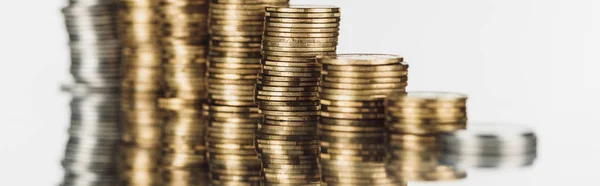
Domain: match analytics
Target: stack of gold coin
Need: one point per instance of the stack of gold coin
(287, 91)
(236, 28)
(141, 55)
(141, 87)
(414, 120)
(91, 152)
(141, 147)
(184, 149)
(352, 127)
(95, 49)
(184, 41)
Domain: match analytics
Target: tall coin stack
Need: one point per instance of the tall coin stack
(91, 153)
(352, 127)
(142, 73)
(234, 60)
(184, 149)
(414, 120)
(184, 42)
(95, 49)
(287, 91)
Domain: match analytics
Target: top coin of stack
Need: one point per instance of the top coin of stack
(95, 49)
(287, 91)
(351, 130)
(489, 145)
(138, 31)
(414, 119)
(234, 60)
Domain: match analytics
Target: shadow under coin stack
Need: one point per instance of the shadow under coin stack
(287, 91)
(184, 150)
(236, 28)
(91, 153)
(352, 127)
(140, 89)
(414, 120)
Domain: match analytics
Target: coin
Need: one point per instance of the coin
(303, 15)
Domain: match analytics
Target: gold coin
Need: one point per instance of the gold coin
(271, 39)
(365, 74)
(289, 74)
(400, 66)
(306, 60)
(353, 103)
(353, 109)
(286, 49)
(286, 94)
(236, 38)
(302, 30)
(302, 34)
(298, 45)
(235, 22)
(422, 97)
(349, 122)
(288, 108)
(287, 88)
(234, 54)
(360, 59)
(235, 71)
(296, 54)
(292, 118)
(359, 92)
(233, 65)
(289, 113)
(312, 20)
(289, 64)
(287, 84)
(234, 60)
(365, 80)
(278, 78)
(291, 69)
(264, 136)
(352, 115)
(249, 2)
(303, 15)
(302, 25)
(290, 104)
(304, 9)
(364, 86)
(235, 44)
(278, 98)
(352, 128)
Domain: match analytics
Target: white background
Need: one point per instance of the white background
(532, 62)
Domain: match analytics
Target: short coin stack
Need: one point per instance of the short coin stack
(236, 28)
(141, 87)
(489, 145)
(287, 91)
(91, 153)
(184, 149)
(95, 49)
(414, 119)
(351, 130)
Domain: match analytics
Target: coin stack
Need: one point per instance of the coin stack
(140, 87)
(91, 153)
(95, 49)
(287, 91)
(236, 29)
(184, 151)
(352, 127)
(414, 120)
(489, 145)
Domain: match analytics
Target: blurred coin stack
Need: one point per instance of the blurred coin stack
(287, 91)
(414, 120)
(184, 43)
(236, 28)
(352, 127)
(95, 49)
(184, 149)
(142, 73)
(91, 153)
(489, 145)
